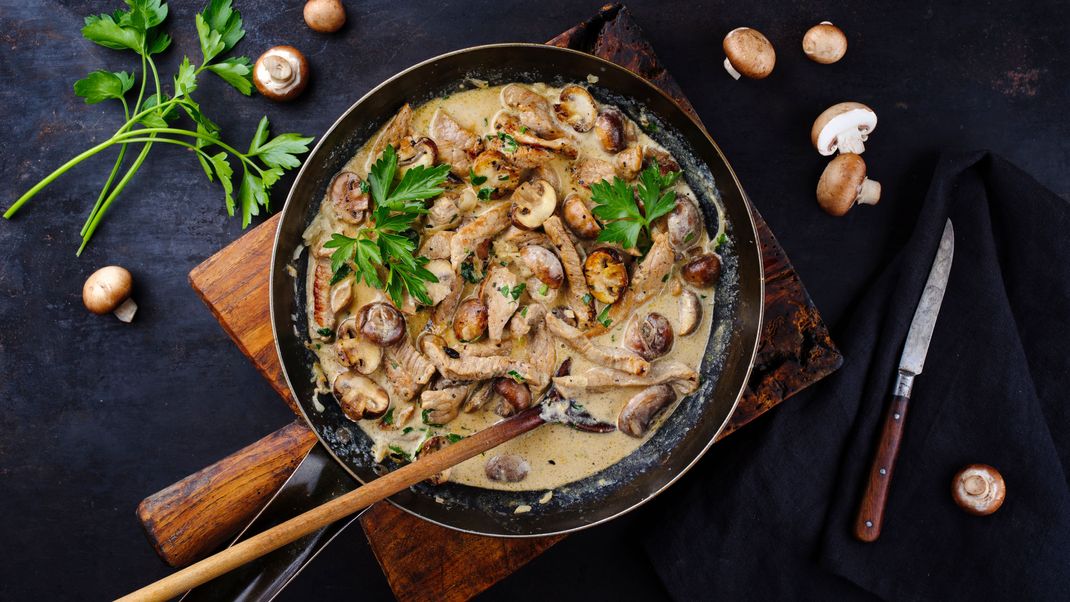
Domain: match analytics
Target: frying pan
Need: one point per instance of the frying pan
(696, 421)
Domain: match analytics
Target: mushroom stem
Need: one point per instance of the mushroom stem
(851, 141)
(125, 312)
(730, 69)
(869, 193)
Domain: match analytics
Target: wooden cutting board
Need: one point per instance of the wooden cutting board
(198, 514)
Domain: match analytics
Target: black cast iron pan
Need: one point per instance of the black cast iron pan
(683, 437)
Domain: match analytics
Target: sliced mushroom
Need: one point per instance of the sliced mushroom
(577, 108)
(421, 152)
(482, 394)
(702, 271)
(544, 265)
(430, 446)
(470, 321)
(843, 127)
(684, 224)
(533, 202)
(501, 175)
(500, 292)
(359, 396)
(381, 323)
(629, 162)
(579, 217)
(341, 295)
(447, 280)
(515, 396)
(348, 197)
(690, 312)
(508, 468)
(641, 410)
(606, 274)
(650, 337)
(354, 350)
(611, 129)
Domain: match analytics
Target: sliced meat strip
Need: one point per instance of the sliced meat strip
(533, 110)
(485, 348)
(649, 278)
(437, 245)
(443, 405)
(521, 237)
(320, 285)
(580, 299)
(541, 348)
(497, 295)
(611, 357)
(456, 145)
(442, 314)
(407, 371)
(391, 134)
(590, 171)
(474, 368)
(472, 234)
(682, 378)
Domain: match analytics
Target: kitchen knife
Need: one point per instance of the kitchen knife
(871, 512)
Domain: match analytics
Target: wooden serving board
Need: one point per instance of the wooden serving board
(196, 515)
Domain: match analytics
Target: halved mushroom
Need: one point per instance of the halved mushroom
(515, 396)
(606, 274)
(544, 265)
(702, 271)
(579, 217)
(341, 295)
(381, 323)
(423, 151)
(359, 396)
(611, 129)
(843, 127)
(508, 468)
(447, 279)
(690, 312)
(684, 224)
(501, 175)
(650, 337)
(348, 197)
(354, 350)
(533, 202)
(641, 410)
(629, 162)
(470, 321)
(432, 445)
(577, 108)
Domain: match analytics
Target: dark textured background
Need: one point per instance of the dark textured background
(97, 414)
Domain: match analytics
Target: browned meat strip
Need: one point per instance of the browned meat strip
(391, 134)
(443, 405)
(677, 374)
(463, 368)
(406, 370)
(610, 357)
(470, 235)
(456, 145)
(320, 283)
(533, 109)
(579, 295)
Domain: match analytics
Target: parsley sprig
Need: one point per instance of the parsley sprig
(150, 119)
(390, 242)
(616, 207)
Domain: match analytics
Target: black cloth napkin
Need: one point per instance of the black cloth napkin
(771, 515)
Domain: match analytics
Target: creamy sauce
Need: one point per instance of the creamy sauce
(556, 454)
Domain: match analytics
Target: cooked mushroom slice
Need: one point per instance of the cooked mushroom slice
(447, 279)
(500, 292)
(824, 43)
(577, 108)
(430, 446)
(501, 175)
(544, 265)
(748, 52)
(422, 152)
(341, 295)
(515, 396)
(640, 411)
(354, 350)
(684, 224)
(443, 214)
(844, 184)
(611, 127)
(690, 312)
(359, 396)
(650, 337)
(381, 323)
(443, 405)
(470, 321)
(702, 271)
(456, 145)
(533, 202)
(508, 468)
(843, 127)
(629, 162)
(579, 217)
(348, 198)
(606, 274)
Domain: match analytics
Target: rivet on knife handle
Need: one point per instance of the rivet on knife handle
(871, 512)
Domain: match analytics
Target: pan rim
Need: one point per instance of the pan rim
(707, 138)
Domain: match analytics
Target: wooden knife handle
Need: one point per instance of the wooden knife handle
(192, 518)
(871, 512)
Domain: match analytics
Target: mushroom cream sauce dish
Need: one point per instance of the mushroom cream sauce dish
(637, 330)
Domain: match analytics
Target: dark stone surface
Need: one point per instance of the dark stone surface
(97, 414)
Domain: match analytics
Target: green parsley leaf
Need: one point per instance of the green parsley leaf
(524, 311)
(326, 332)
(236, 71)
(105, 31)
(474, 179)
(397, 451)
(211, 41)
(406, 430)
(544, 290)
(515, 376)
(425, 417)
(517, 291)
(722, 238)
(388, 418)
(102, 85)
(603, 317)
(587, 299)
(616, 207)
(485, 193)
(454, 437)
(280, 150)
(468, 271)
(509, 143)
(221, 18)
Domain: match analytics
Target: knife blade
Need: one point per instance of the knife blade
(871, 511)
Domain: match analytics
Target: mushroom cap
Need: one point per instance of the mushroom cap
(840, 183)
(750, 52)
(106, 289)
(281, 73)
(325, 16)
(841, 117)
(824, 43)
(978, 489)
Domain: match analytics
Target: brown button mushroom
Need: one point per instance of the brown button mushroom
(684, 224)
(579, 217)
(606, 274)
(844, 183)
(348, 197)
(325, 16)
(577, 108)
(690, 312)
(354, 350)
(108, 290)
(748, 53)
(843, 127)
(515, 396)
(610, 127)
(824, 43)
(641, 410)
(281, 73)
(420, 152)
(508, 468)
(650, 337)
(359, 396)
(470, 321)
(702, 271)
(978, 489)
(381, 323)
(544, 265)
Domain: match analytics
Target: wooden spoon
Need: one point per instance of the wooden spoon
(554, 409)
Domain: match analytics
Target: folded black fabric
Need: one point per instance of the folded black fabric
(771, 516)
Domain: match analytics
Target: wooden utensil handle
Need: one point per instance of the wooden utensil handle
(195, 516)
(871, 512)
(338, 508)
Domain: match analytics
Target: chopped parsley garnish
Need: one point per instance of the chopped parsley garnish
(517, 291)
(515, 376)
(454, 437)
(365, 186)
(397, 451)
(342, 272)
(502, 177)
(690, 237)
(484, 194)
(722, 238)
(468, 271)
(603, 317)
(406, 430)
(425, 417)
(474, 179)
(544, 289)
(524, 312)
(325, 332)
(504, 290)
(616, 206)
(588, 298)
(523, 129)
(509, 143)
(388, 419)
(665, 278)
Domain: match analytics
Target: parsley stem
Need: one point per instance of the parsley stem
(114, 193)
(56, 174)
(181, 132)
(114, 169)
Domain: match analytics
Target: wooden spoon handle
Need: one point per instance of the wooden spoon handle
(871, 512)
(306, 523)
